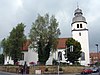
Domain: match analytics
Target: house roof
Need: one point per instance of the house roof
(61, 44)
(26, 44)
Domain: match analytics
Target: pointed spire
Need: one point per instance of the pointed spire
(77, 5)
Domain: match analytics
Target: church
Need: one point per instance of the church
(79, 32)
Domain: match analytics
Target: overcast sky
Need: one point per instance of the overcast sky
(13, 12)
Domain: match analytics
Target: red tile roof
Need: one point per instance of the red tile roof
(61, 44)
(26, 44)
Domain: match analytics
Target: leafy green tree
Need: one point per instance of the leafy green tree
(5, 44)
(1, 59)
(12, 46)
(44, 34)
(73, 56)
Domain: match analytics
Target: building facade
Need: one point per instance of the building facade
(79, 33)
(94, 57)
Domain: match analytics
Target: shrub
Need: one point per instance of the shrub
(46, 69)
(54, 62)
(60, 69)
(9, 65)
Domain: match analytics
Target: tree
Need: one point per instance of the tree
(44, 34)
(5, 44)
(1, 59)
(16, 40)
(73, 56)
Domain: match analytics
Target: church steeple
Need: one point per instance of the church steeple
(77, 5)
(80, 33)
(78, 16)
(78, 12)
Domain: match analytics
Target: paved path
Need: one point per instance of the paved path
(7, 73)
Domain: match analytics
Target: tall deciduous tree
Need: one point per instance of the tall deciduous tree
(17, 39)
(44, 34)
(73, 56)
(5, 44)
(13, 44)
(1, 59)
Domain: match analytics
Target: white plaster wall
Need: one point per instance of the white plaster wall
(54, 55)
(49, 61)
(83, 39)
(30, 56)
(7, 60)
(84, 26)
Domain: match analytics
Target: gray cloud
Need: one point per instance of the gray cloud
(13, 12)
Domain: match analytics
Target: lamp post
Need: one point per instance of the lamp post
(59, 58)
(71, 50)
(97, 53)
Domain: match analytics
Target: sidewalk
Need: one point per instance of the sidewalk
(7, 73)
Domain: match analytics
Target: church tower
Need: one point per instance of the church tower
(80, 33)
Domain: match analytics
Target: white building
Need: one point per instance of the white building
(79, 33)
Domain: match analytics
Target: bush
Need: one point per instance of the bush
(46, 69)
(97, 63)
(54, 62)
(1, 59)
(60, 69)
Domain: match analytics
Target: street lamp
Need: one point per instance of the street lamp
(97, 53)
(60, 54)
(71, 50)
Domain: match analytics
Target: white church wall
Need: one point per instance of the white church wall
(55, 56)
(83, 39)
(80, 33)
(30, 56)
(74, 26)
(8, 60)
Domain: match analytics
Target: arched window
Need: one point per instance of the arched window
(22, 56)
(82, 56)
(60, 55)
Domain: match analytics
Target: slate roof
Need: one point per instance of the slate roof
(78, 16)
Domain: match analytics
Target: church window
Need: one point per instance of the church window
(79, 33)
(22, 56)
(60, 55)
(77, 25)
(80, 25)
(82, 56)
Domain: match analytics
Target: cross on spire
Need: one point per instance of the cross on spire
(77, 5)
